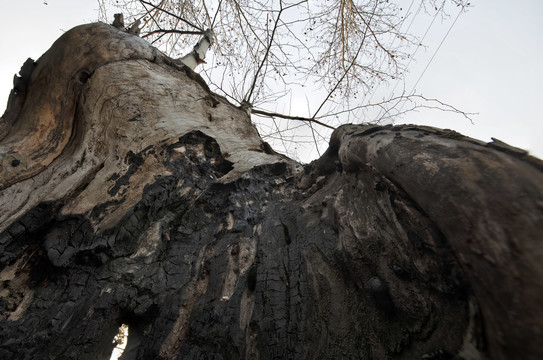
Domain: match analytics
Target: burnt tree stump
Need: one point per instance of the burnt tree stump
(130, 193)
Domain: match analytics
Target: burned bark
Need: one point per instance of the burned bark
(132, 194)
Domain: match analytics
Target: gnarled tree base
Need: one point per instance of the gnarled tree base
(137, 196)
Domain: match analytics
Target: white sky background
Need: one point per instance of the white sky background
(489, 64)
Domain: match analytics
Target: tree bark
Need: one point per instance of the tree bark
(133, 194)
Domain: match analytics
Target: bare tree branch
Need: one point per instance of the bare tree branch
(265, 57)
(172, 31)
(346, 71)
(289, 117)
(171, 14)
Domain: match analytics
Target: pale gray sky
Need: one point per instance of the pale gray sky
(488, 64)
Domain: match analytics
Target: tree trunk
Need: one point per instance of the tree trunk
(132, 194)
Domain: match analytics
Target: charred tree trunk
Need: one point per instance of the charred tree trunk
(132, 194)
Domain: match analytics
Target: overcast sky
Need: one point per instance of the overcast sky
(490, 63)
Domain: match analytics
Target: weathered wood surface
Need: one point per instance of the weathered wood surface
(130, 193)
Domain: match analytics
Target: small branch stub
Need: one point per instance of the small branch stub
(118, 21)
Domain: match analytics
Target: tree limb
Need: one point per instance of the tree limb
(289, 117)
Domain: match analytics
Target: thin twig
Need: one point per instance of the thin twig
(264, 59)
(173, 31)
(172, 14)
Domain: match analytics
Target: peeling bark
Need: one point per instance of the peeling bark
(132, 194)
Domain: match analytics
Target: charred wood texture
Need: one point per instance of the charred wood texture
(132, 194)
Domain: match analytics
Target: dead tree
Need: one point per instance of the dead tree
(132, 194)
